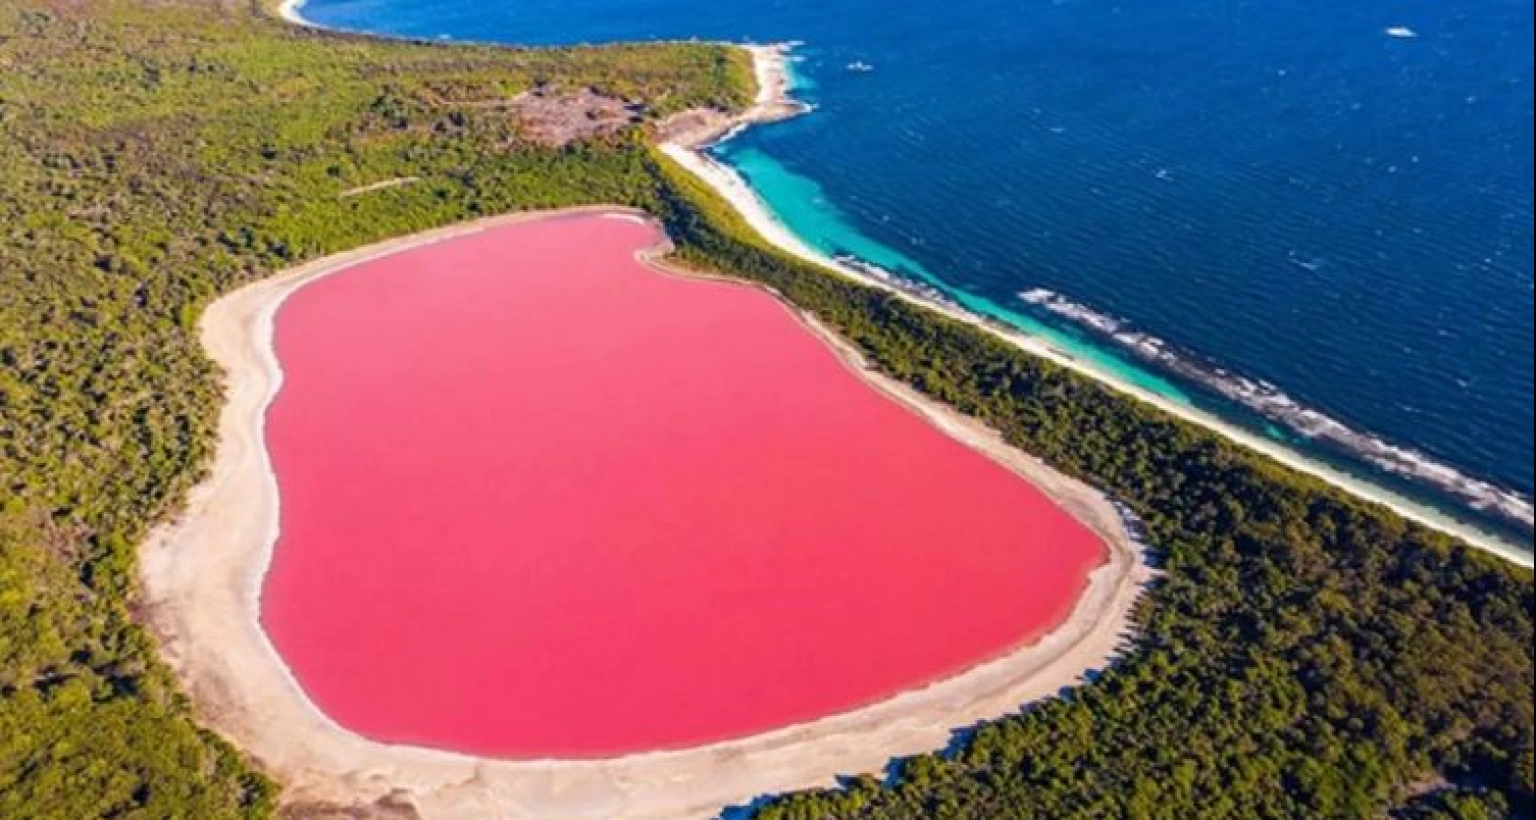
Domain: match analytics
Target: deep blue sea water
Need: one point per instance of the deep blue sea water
(1282, 189)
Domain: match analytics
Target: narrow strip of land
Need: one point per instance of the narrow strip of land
(202, 577)
(687, 146)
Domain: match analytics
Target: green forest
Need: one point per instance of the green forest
(1303, 655)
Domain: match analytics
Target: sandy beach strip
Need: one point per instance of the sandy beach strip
(289, 10)
(773, 103)
(201, 578)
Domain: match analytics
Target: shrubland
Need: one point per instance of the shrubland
(1303, 654)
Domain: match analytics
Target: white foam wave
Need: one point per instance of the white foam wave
(920, 289)
(1274, 404)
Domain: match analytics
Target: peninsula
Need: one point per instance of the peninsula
(168, 173)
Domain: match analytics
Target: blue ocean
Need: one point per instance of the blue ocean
(1308, 213)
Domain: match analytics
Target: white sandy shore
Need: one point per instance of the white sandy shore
(202, 575)
(289, 10)
(773, 89)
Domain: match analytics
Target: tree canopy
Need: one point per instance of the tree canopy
(1304, 654)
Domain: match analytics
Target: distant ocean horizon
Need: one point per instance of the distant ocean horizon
(1314, 220)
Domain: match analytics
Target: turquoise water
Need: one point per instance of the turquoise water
(800, 205)
(1285, 194)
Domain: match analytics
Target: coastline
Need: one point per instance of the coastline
(289, 11)
(773, 102)
(202, 577)
(697, 130)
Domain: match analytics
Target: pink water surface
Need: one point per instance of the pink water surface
(539, 500)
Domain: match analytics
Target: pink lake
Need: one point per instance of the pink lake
(539, 500)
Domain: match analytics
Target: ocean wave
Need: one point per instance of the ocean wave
(914, 287)
(1272, 403)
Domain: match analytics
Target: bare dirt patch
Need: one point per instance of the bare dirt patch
(558, 118)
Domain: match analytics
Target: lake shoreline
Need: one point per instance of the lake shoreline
(202, 580)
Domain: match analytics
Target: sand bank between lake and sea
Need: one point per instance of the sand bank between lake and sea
(202, 575)
(689, 148)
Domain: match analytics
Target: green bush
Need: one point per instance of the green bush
(1305, 655)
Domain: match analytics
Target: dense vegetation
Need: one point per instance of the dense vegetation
(1304, 656)
(151, 157)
